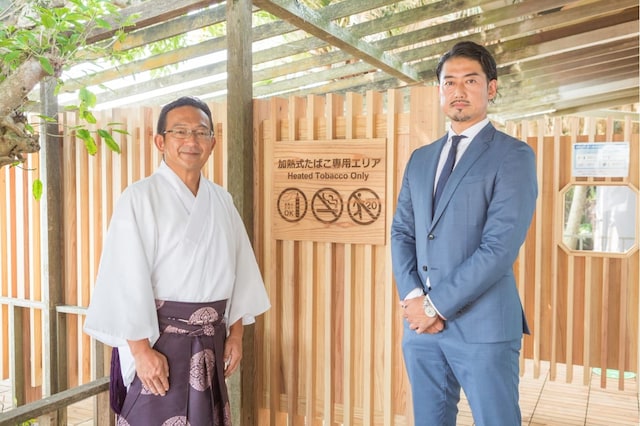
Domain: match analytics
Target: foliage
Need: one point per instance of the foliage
(59, 32)
(53, 34)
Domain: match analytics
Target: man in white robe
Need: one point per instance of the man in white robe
(173, 237)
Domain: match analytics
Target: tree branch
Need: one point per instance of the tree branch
(17, 85)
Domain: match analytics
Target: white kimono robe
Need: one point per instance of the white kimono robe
(165, 243)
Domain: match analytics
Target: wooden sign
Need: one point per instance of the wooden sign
(330, 191)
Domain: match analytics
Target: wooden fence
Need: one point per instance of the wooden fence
(332, 339)
(328, 352)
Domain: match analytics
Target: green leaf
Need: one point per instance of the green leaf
(89, 142)
(47, 19)
(76, 17)
(86, 96)
(103, 24)
(13, 55)
(109, 141)
(46, 65)
(89, 117)
(46, 118)
(36, 188)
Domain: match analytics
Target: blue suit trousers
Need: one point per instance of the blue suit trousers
(438, 365)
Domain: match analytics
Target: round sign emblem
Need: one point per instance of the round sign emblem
(364, 206)
(327, 205)
(292, 204)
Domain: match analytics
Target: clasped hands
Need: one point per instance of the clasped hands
(413, 313)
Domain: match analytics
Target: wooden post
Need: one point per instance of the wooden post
(240, 177)
(53, 247)
(16, 355)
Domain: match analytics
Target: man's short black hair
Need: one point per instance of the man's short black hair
(471, 50)
(183, 101)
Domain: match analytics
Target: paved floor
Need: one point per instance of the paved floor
(544, 402)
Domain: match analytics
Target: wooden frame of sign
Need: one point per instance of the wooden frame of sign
(330, 191)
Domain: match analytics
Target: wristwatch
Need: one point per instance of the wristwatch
(429, 310)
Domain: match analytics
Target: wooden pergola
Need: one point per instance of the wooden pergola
(555, 56)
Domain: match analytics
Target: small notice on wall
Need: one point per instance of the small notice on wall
(601, 159)
(330, 191)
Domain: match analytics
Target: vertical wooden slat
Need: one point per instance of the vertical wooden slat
(278, 112)
(12, 237)
(373, 102)
(220, 163)
(622, 319)
(324, 276)
(291, 284)
(261, 338)
(347, 326)
(272, 350)
(554, 207)
(569, 318)
(315, 112)
(290, 326)
(604, 323)
(36, 263)
(634, 167)
(588, 319)
(334, 106)
(522, 254)
(539, 228)
(352, 252)
(74, 296)
(389, 385)
(5, 254)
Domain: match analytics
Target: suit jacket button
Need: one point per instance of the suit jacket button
(431, 236)
(424, 268)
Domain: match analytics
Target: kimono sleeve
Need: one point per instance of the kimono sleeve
(122, 305)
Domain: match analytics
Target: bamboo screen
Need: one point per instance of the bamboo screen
(328, 351)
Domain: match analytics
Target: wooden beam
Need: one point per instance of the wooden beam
(317, 25)
(162, 10)
(167, 29)
(496, 24)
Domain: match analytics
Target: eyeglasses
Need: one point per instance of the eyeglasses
(180, 133)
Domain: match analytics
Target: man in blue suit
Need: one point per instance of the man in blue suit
(456, 232)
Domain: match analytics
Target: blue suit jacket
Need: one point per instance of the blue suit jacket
(467, 249)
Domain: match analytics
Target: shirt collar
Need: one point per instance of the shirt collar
(472, 131)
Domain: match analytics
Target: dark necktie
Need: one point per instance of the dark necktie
(446, 170)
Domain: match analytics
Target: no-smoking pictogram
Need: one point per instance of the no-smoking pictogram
(327, 205)
(364, 206)
(292, 204)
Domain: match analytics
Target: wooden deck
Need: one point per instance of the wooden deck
(557, 403)
(543, 402)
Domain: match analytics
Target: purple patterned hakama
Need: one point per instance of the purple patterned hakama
(192, 337)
